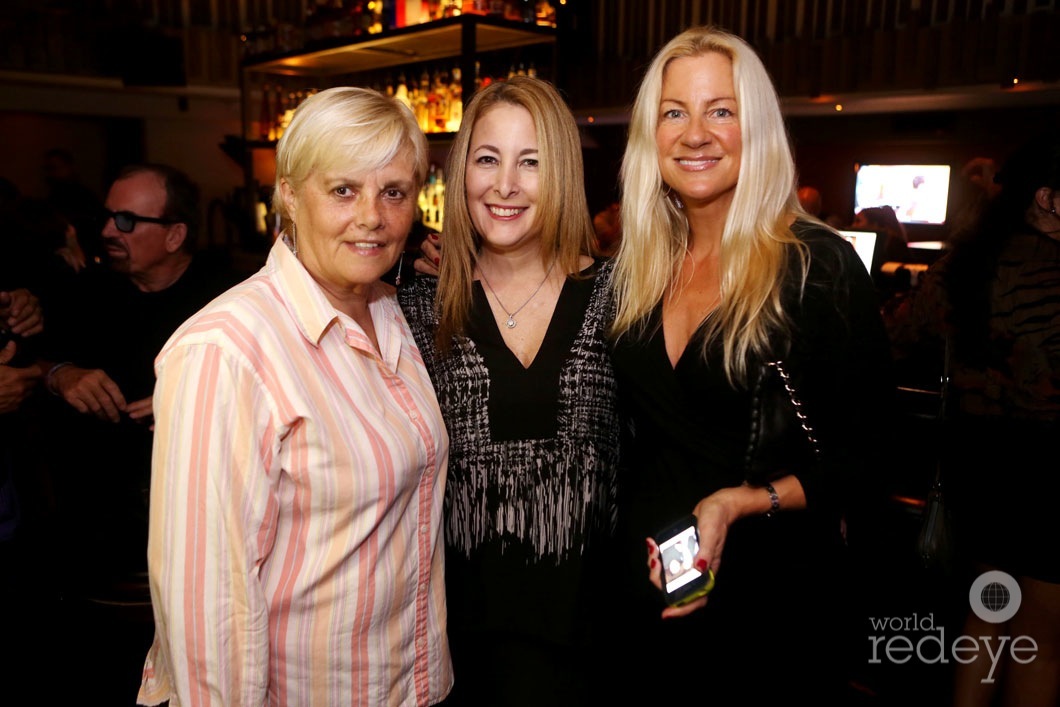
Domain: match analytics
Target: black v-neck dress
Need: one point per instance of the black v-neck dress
(775, 617)
(530, 495)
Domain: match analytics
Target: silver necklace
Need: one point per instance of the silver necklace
(511, 315)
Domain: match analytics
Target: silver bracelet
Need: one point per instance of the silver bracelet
(774, 500)
(51, 371)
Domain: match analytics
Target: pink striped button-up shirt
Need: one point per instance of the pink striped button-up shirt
(295, 550)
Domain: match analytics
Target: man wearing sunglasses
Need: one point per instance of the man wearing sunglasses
(118, 317)
(103, 339)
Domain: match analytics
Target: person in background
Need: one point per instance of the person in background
(98, 351)
(27, 588)
(885, 223)
(607, 224)
(78, 205)
(20, 318)
(295, 549)
(892, 286)
(980, 173)
(973, 188)
(719, 272)
(514, 334)
(813, 204)
(27, 596)
(995, 298)
(154, 279)
(810, 200)
(50, 254)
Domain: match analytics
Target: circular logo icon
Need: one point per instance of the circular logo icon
(995, 596)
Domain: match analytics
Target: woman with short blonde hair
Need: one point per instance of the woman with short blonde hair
(295, 549)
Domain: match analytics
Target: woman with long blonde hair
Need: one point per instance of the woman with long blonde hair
(720, 272)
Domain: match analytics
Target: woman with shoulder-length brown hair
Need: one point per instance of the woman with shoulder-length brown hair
(561, 215)
(514, 334)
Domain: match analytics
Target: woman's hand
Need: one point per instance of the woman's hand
(431, 257)
(714, 514)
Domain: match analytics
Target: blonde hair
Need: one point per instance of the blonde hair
(562, 213)
(343, 127)
(756, 234)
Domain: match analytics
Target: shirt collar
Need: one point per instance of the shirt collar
(314, 314)
(307, 303)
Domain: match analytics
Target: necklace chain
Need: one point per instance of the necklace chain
(510, 323)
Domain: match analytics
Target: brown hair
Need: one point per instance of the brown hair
(562, 216)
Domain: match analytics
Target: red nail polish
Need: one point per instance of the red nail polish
(434, 236)
(651, 564)
(701, 565)
(437, 261)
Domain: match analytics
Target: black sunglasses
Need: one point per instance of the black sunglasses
(125, 221)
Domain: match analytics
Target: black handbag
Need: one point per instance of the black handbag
(935, 542)
(782, 438)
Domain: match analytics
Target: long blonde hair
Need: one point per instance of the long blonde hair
(756, 234)
(562, 214)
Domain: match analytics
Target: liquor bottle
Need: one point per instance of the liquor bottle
(276, 107)
(289, 105)
(265, 113)
(388, 14)
(420, 102)
(431, 199)
(441, 96)
(456, 102)
(476, 7)
(439, 199)
(412, 12)
(423, 199)
(401, 93)
(315, 17)
(545, 14)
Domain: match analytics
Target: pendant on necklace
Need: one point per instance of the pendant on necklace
(510, 323)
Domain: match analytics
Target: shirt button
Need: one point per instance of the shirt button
(425, 529)
(414, 415)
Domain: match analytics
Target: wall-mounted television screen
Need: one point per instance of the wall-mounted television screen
(917, 192)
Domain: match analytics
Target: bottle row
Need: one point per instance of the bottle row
(435, 98)
(431, 199)
(330, 19)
